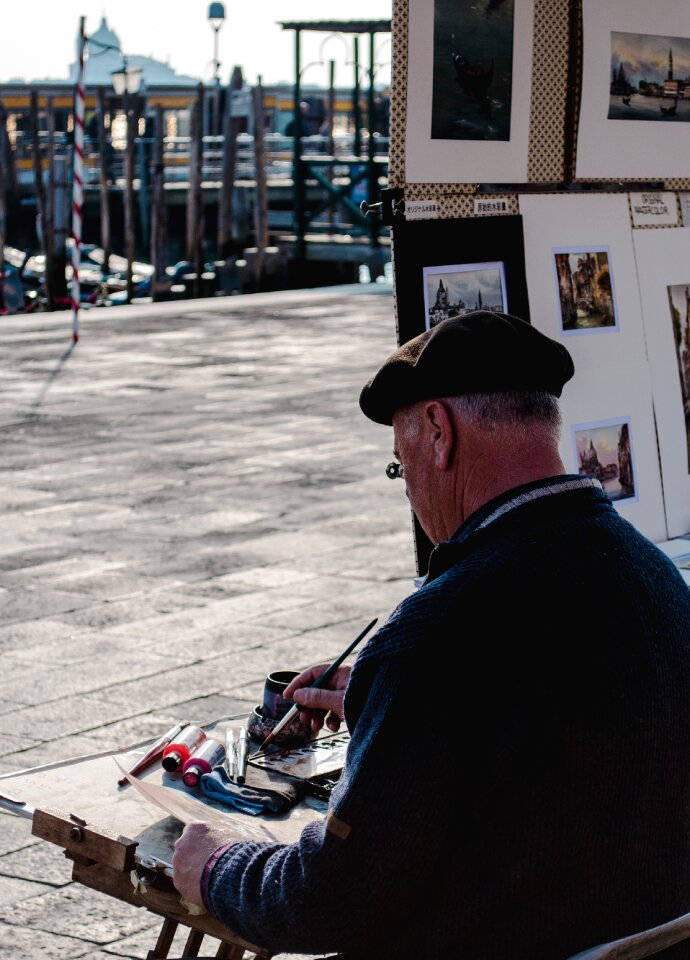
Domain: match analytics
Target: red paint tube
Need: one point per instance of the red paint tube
(205, 758)
(179, 751)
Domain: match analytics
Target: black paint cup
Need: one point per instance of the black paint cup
(275, 704)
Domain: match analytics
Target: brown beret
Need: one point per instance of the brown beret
(479, 352)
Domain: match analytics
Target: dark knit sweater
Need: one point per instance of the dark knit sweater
(518, 779)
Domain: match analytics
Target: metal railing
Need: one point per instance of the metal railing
(176, 151)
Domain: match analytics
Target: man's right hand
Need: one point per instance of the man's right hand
(319, 704)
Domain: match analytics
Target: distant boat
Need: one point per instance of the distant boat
(669, 111)
(473, 79)
(626, 101)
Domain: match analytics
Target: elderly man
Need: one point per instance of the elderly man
(518, 777)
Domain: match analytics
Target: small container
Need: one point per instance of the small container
(205, 758)
(275, 704)
(295, 734)
(179, 751)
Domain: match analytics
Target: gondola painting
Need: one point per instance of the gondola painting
(473, 70)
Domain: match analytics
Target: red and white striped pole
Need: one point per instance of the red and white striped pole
(78, 179)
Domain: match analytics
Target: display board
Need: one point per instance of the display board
(539, 165)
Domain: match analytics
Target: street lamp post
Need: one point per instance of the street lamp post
(126, 83)
(216, 17)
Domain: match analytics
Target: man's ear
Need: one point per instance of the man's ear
(440, 432)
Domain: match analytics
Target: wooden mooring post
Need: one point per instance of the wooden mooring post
(43, 231)
(159, 213)
(261, 197)
(231, 129)
(195, 208)
(103, 171)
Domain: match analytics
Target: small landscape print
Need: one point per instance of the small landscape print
(604, 452)
(585, 290)
(682, 562)
(679, 302)
(650, 78)
(473, 69)
(456, 289)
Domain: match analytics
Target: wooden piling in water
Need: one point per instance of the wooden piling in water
(103, 179)
(158, 211)
(129, 198)
(195, 209)
(261, 197)
(41, 233)
(231, 129)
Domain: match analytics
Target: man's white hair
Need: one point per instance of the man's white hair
(521, 411)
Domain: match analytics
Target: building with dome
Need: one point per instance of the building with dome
(105, 55)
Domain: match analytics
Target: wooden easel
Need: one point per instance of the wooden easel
(106, 862)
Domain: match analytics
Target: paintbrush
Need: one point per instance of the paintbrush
(320, 681)
(153, 753)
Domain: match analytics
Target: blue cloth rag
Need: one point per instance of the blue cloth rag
(262, 792)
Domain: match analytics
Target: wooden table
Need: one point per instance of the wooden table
(122, 846)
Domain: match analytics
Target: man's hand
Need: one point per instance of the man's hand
(192, 851)
(319, 704)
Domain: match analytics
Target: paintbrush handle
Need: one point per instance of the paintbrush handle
(320, 681)
(324, 677)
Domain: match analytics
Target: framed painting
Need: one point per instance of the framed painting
(452, 290)
(469, 75)
(635, 105)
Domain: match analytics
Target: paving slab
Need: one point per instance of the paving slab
(190, 499)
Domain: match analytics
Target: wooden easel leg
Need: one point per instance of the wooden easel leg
(164, 942)
(194, 941)
(230, 951)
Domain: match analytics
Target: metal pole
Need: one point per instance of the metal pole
(103, 180)
(372, 178)
(297, 179)
(54, 264)
(357, 113)
(77, 181)
(129, 198)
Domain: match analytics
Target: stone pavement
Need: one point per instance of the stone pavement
(190, 498)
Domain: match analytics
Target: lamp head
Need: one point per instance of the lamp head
(216, 15)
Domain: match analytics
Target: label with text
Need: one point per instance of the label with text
(483, 208)
(421, 210)
(654, 208)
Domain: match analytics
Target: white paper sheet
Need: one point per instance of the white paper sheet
(593, 223)
(185, 808)
(663, 259)
(620, 393)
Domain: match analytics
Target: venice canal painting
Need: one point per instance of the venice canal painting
(585, 289)
(650, 78)
(473, 69)
(679, 302)
(604, 452)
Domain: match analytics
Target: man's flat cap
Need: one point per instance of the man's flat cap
(479, 352)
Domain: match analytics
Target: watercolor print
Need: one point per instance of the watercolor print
(650, 78)
(456, 289)
(585, 289)
(679, 301)
(604, 451)
(473, 69)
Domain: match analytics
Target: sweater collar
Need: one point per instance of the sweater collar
(505, 503)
